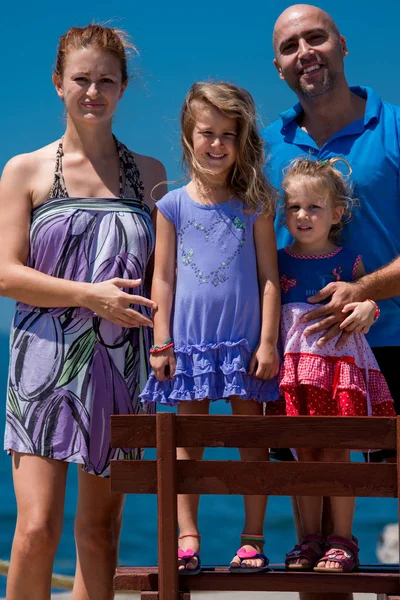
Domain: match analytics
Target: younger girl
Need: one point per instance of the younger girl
(317, 380)
(219, 231)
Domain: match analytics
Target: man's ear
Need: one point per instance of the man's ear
(276, 65)
(58, 85)
(343, 45)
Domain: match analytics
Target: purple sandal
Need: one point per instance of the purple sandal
(303, 550)
(348, 561)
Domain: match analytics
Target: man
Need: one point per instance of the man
(332, 119)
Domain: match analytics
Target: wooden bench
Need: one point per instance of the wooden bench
(167, 477)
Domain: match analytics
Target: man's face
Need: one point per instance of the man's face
(309, 51)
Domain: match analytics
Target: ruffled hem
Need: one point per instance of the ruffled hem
(213, 371)
(334, 375)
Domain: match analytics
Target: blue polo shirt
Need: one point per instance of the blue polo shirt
(371, 146)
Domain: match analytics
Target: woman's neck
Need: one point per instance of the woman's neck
(92, 142)
(206, 192)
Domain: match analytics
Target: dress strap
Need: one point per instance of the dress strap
(130, 182)
(58, 189)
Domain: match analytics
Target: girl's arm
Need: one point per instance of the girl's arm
(265, 361)
(362, 314)
(32, 287)
(162, 292)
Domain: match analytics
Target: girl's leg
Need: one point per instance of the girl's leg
(39, 485)
(188, 504)
(254, 506)
(342, 507)
(97, 529)
(309, 507)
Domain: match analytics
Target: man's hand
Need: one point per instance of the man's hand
(331, 314)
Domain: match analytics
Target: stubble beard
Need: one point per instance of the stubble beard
(321, 89)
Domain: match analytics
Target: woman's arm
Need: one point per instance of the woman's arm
(27, 285)
(162, 292)
(265, 362)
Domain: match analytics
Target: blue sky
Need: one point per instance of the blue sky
(179, 42)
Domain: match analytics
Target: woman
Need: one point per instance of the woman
(77, 236)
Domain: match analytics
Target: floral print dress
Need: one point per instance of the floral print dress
(69, 368)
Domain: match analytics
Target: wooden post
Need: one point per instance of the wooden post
(168, 580)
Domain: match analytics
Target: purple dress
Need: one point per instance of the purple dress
(216, 320)
(70, 369)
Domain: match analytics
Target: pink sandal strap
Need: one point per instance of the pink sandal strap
(186, 554)
(351, 545)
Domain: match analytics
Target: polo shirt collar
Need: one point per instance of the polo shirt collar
(372, 110)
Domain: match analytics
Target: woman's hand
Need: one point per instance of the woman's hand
(163, 364)
(107, 300)
(264, 362)
(361, 317)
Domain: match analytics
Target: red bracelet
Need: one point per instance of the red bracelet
(158, 349)
(377, 309)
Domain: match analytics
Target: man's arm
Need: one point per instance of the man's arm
(379, 285)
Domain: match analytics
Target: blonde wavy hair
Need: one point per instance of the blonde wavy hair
(327, 181)
(246, 180)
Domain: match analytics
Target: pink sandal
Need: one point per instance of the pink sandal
(348, 561)
(187, 555)
(303, 550)
(244, 554)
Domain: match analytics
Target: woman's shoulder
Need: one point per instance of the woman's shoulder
(28, 161)
(153, 175)
(31, 171)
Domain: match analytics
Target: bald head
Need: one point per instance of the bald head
(295, 15)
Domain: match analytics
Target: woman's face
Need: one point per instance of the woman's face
(91, 85)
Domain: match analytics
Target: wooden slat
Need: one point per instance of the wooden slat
(131, 431)
(134, 476)
(167, 509)
(128, 578)
(277, 479)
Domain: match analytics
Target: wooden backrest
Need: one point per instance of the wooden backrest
(167, 431)
(167, 477)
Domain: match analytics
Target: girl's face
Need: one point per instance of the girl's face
(214, 141)
(91, 85)
(309, 214)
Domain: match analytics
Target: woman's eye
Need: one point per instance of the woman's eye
(107, 80)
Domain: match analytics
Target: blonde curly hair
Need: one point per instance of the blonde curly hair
(246, 180)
